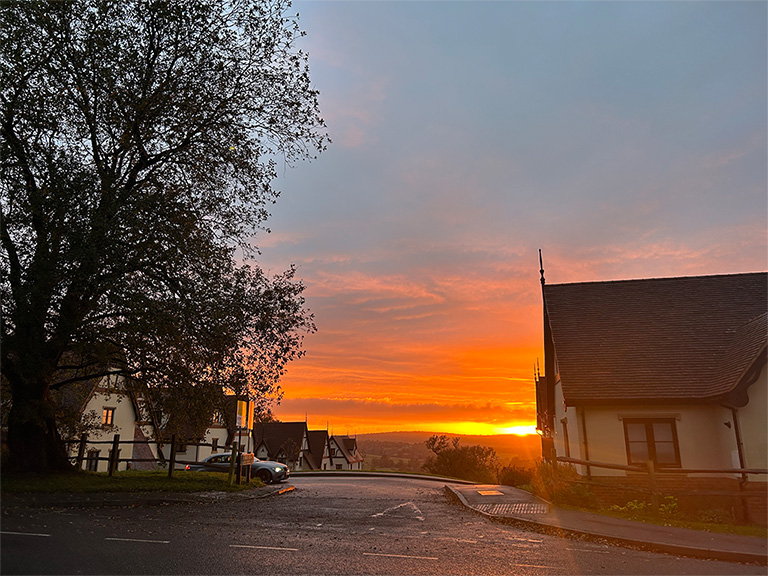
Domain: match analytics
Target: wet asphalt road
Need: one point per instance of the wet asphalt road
(324, 526)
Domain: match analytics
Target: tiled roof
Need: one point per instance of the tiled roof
(688, 338)
(348, 448)
(277, 435)
(317, 440)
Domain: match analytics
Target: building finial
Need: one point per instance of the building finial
(541, 268)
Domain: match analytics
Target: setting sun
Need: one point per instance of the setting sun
(518, 430)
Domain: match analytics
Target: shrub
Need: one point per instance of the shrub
(514, 476)
(476, 463)
(560, 485)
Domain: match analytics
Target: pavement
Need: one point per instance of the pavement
(498, 503)
(518, 507)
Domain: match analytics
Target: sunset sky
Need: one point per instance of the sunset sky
(624, 139)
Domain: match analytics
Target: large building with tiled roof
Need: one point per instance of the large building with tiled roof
(667, 370)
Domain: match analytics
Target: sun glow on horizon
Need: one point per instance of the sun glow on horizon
(484, 428)
(519, 430)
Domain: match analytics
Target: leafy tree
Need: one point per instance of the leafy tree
(137, 146)
(477, 463)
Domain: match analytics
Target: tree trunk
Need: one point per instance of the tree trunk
(33, 441)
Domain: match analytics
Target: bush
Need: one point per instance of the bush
(559, 484)
(475, 463)
(514, 476)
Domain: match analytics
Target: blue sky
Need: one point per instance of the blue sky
(624, 139)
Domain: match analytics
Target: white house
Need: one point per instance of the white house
(232, 424)
(286, 442)
(669, 370)
(344, 454)
(112, 410)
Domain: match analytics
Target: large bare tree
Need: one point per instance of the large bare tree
(137, 147)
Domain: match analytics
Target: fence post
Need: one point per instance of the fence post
(232, 460)
(172, 463)
(112, 464)
(81, 451)
(652, 485)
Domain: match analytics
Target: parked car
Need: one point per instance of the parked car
(265, 470)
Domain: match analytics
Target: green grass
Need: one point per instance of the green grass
(128, 481)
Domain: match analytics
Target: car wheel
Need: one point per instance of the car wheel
(264, 476)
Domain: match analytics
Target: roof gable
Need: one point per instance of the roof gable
(667, 338)
(288, 436)
(317, 441)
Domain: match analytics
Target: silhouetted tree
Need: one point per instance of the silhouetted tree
(136, 158)
(477, 463)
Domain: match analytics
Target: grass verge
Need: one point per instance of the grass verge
(127, 481)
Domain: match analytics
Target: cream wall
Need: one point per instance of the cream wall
(124, 421)
(705, 441)
(753, 421)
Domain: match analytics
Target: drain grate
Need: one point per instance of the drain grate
(513, 509)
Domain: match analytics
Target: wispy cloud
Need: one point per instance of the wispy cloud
(626, 140)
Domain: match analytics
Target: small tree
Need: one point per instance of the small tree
(477, 463)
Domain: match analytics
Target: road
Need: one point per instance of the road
(325, 526)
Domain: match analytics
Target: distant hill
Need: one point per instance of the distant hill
(510, 449)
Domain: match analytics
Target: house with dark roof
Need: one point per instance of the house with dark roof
(318, 456)
(344, 454)
(285, 442)
(292, 443)
(667, 370)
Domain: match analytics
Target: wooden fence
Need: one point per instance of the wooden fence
(657, 483)
(113, 459)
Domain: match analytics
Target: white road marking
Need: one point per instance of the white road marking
(400, 556)
(263, 547)
(524, 540)
(23, 533)
(449, 539)
(588, 550)
(416, 510)
(139, 540)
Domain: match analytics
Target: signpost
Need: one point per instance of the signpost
(247, 459)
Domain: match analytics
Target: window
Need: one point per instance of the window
(107, 416)
(214, 445)
(338, 467)
(652, 439)
(92, 461)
